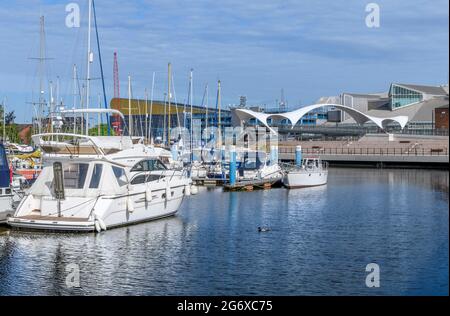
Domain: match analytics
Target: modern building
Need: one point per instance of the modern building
(157, 117)
(417, 102)
(407, 107)
(441, 118)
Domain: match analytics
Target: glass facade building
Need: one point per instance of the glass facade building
(401, 96)
(153, 117)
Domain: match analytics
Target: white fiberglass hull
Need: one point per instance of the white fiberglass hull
(6, 207)
(303, 179)
(109, 211)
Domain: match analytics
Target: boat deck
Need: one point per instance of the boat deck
(250, 185)
(53, 218)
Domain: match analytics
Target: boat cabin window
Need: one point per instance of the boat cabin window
(145, 178)
(96, 176)
(120, 175)
(75, 175)
(149, 165)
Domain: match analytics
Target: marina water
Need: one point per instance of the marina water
(320, 242)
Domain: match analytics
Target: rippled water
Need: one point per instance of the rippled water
(320, 242)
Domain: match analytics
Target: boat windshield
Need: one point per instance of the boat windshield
(149, 165)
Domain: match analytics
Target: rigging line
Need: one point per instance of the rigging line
(140, 118)
(176, 102)
(203, 104)
(101, 67)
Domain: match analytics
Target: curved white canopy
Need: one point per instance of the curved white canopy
(295, 116)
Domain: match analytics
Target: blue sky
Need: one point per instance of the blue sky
(255, 47)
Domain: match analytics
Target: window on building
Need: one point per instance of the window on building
(401, 97)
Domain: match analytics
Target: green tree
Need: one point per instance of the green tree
(103, 131)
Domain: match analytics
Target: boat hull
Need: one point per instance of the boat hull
(304, 179)
(112, 211)
(6, 208)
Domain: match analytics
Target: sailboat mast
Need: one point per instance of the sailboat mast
(191, 95)
(74, 105)
(206, 112)
(218, 111)
(130, 117)
(169, 96)
(4, 120)
(151, 109)
(146, 114)
(41, 73)
(89, 61)
(99, 131)
(51, 107)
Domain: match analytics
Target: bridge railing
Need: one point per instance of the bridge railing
(396, 151)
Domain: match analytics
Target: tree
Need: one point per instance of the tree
(103, 131)
(10, 118)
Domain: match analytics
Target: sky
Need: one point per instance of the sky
(309, 48)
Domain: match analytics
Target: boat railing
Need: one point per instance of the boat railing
(67, 140)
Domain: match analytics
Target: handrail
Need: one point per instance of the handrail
(374, 151)
(89, 138)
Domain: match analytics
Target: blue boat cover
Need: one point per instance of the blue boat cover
(4, 168)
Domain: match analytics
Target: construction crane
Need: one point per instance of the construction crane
(117, 123)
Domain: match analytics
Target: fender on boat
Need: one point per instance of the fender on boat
(130, 205)
(98, 229)
(168, 193)
(148, 195)
(187, 190)
(194, 190)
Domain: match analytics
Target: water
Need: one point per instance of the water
(320, 243)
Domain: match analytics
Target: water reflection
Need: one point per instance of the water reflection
(320, 241)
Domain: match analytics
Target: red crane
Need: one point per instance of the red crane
(116, 124)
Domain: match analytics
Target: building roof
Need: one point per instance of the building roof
(141, 107)
(419, 112)
(295, 116)
(363, 95)
(434, 90)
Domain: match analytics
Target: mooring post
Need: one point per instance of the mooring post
(298, 156)
(232, 165)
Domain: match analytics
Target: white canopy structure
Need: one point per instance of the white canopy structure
(295, 116)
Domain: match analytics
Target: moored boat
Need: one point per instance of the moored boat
(97, 183)
(312, 172)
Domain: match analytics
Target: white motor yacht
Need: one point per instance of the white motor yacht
(97, 183)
